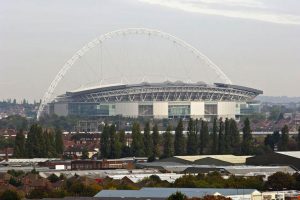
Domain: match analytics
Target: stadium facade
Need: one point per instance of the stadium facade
(157, 100)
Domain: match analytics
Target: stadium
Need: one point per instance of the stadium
(177, 81)
(157, 100)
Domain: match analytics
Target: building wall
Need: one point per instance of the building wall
(129, 109)
(160, 109)
(61, 109)
(227, 109)
(197, 109)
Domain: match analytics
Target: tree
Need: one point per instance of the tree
(214, 148)
(298, 138)
(227, 137)
(177, 196)
(19, 150)
(191, 146)
(221, 137)
(272, 140)
(179, 142)
(115, 146)
(284, 140)
(10, 195)
(104, 142)
(168, 143)
(148, 143)
(204, 136)
(53, 178)
(125, 149)
(59, 145)
(234, 137)
(85, 154)
(280, 181)
(247, 144)
(155, 141)
(137, 146)
(35, 143)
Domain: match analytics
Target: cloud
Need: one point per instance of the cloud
(243, 9)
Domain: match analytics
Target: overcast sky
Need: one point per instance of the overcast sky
(255, 42)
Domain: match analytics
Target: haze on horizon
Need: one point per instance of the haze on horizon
(255, 42)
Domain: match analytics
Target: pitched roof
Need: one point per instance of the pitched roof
(226, 158)
(295, 154)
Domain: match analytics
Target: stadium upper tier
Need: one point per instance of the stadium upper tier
(166, 91)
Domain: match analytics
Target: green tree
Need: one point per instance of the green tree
(192, 145)
(137, 146)
(148, 143)
(125, 149)
(155, 141)
(177, 196)
(10, 195)
(234, 137)
(19, 150)
(280, 181)
(85, 154)
(115, 146)
(179, 141)
(298, 138)
(214, 148)
(221, 137)
(168, 143)
(227, 137)
(284, 140)
(104, 142)
(53, 178)
(35, 143)
(247, 144)
(59, 144)
(204, 136)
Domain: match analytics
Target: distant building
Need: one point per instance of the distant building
(164, 193)
(221, 160)
(291, 158)
(157, 100)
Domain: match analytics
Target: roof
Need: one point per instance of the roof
(166, 192)
(169, 177)
(295, 154)
(226, 158)
(28, 160)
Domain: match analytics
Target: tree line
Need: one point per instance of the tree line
(223, 138)
(40, 143)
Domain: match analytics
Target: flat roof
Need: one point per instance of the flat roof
(226, 158)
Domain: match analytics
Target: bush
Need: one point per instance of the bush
(177, 196)
(10, 195)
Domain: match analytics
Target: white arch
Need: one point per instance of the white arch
(128, 31)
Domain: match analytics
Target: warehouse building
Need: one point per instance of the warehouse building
(290, 158)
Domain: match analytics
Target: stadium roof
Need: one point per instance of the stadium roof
(165, 91)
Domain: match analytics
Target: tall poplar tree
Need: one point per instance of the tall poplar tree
(148, 143)
(204, 136)
(155, 141)
(214, 148)
(137, 145)
(59, 144)
(191, 146)
(221, 137)
(227, 137)
(299, 138)
(19, 150)
(247, 144)
(284, 140)
(234, 137)
(168, 143)
(105, 143)
(179, 141)
(115, 147)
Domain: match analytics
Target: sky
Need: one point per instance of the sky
(256, 43)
